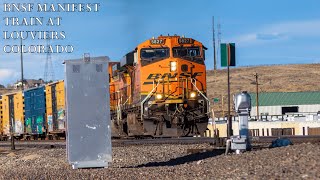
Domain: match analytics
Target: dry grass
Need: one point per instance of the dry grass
(4, 91)
(280, 78)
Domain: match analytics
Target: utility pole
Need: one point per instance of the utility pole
(13, 147)
(214, 47)
(21, 59)
(222, 106)
(257, 94)
(229, 118)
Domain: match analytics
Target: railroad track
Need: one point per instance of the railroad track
(45, 144)
(157, 141)
(294, 139)
(184, 140)
(115, 142)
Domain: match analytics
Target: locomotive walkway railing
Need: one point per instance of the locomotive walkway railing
(204, 96)
(145, 99)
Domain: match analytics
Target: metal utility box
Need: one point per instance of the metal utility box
(88, 112)
(35, 110)
(239, 143)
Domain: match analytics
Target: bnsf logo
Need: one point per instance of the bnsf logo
(170, 76)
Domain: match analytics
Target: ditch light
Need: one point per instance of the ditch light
(173, 66)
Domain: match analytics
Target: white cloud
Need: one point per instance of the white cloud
(317, 61)
(4, 73)
(278, 32)
(297, 28)
(33, 66)
(7, 75)
(269, 36)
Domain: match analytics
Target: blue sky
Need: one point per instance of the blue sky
(265, 32)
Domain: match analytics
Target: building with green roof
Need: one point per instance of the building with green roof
(280, 103)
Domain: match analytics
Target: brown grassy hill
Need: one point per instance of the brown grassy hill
(4, 91)
(277, 78)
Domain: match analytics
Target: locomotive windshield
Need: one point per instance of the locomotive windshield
(186, 51)
(190, 53)
(151, 54)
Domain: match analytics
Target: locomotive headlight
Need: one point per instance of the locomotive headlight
(159, 96)
(193, 95)
(173, 66)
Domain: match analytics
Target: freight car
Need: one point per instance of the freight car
(55, 110)
(1, 117)
(34, 113)
(12, 114)
(35, 110)
(159, 89)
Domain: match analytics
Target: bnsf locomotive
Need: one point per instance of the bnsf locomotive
(159, 89)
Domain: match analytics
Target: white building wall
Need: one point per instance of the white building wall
(271, 110)
(309, 108)
(300, 128)
(277, 110)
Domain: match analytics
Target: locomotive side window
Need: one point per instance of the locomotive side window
(152, 54)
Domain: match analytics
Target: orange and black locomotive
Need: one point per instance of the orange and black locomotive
(159, 89)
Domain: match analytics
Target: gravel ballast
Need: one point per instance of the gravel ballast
(300, 161)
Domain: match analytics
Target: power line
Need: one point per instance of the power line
(219, 40)
(21, 59)
(48, 69)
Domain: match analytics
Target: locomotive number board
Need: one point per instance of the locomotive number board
(185, 41)
(157, 41)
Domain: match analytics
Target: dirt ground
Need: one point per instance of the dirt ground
(167, 162)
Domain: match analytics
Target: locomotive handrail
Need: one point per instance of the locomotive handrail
(126, 100)
(145, 99)
(119, 114)
(208, 101)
